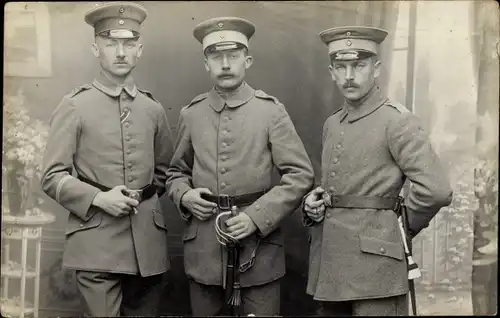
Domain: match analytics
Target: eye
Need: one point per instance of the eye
(339, 66)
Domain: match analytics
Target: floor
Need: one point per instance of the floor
(444, 303)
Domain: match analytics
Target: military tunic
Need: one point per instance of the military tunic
(231, 145)
(87, 139)
(369, 151)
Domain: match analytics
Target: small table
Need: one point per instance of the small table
(24, 228)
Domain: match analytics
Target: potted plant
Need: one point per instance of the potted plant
(24, 140)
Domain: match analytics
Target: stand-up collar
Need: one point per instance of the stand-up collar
(233, 99)
(111, 88)
(370, 103)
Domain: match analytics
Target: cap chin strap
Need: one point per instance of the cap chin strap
(120, 34)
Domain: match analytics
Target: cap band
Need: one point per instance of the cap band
(117, 24)
(350, 55)
(224, 36)
(352, 44)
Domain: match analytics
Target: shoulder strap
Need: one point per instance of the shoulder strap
(197, 99)
(263, 95)
(79, 89)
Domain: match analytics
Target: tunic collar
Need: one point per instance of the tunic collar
(370, 103)
(233, 99)
(111, 88)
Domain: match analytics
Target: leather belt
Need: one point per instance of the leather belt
(225, 202)
(139, 195)
(362, 202)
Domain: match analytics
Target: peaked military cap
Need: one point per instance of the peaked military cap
(224, 33)
(117, 19)
(353, 42)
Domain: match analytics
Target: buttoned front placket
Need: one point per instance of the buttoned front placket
(124, 102)
(224, 137)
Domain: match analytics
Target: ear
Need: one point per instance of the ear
(139, 50)
(95, 49)
(248, 61)
(207, 68)
(330, 68)
(377, 68)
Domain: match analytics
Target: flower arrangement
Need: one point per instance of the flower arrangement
(24, 140)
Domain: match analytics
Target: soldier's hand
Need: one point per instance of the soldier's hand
(199, 207)
(115, 202)
(314, 205)
(240, 226)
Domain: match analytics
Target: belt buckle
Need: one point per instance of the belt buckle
(224, 202)
(135, 194)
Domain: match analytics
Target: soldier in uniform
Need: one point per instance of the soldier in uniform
(106, 160)
(229, 141)
(371, 145)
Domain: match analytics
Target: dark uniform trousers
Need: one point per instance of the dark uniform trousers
(260, 300)
(388, 306)
(113, 295)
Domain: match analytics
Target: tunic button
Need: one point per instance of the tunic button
(382, 250)
(335, 160)
(129, 165)
(129, 151)
(223, 185)
(130, 179)
(224, 132)
(268, 222)
(342, 133)
(339, 146)
(331, 189)
(126, 110)
(224, 158)
(224, 144)
(81, 224)
(333, 174)
(328, 215)
(127, 138)
(126, 124)
(223, 170)
(257, 207)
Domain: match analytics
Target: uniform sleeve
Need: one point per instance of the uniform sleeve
(306, 220)
(57, 181)
(179, 174)
(410, 146)
(163, 151)
(297, 176)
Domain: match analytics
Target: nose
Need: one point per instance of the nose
(225, 63)
(120, 52)
(349, 73)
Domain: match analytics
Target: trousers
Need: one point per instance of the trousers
(389, 306)
(114, 295)
(261, 300)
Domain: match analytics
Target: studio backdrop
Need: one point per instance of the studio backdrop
(290, 63)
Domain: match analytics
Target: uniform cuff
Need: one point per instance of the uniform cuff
(262, 220)
(180, 189)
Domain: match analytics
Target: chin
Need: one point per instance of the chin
(225, 84)
(352, 96)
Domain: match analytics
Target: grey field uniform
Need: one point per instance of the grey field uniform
(230, 144)
(356, 255)
(103, 135)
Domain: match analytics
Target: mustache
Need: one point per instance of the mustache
(350, 84)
